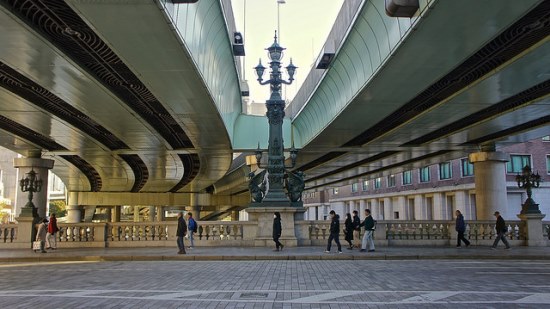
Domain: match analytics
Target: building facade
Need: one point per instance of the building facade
(434, 192)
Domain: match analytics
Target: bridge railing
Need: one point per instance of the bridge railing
(243, 233)
(432, 232)
(8, 233)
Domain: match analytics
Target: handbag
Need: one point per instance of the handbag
(36, 245)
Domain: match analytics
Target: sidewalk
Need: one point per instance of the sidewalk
(254, 253)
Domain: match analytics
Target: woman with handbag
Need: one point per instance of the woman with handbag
(41, 234)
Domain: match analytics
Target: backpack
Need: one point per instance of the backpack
(196, 226)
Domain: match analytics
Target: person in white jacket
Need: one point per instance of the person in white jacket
(41, 234)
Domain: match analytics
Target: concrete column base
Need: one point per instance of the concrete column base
(534, 230)
(26, 231)
(264, 231)
(74, 214)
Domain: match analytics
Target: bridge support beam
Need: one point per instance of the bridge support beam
(490, 180)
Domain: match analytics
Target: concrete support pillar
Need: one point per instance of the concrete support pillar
(136, 213)
(151, 216)
(40, 167)
(490, 180)
(160, 214)
(74, 211)
(195, 208)
(115, 213)
(109, 213)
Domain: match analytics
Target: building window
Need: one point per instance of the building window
(378, 183)
(334, 191)
(517, 162)
(548, 164)
(467, 168)
(425, 174)
(365, 185)
(391, 181)
(445, 170)
(407, 178)
(354, 187)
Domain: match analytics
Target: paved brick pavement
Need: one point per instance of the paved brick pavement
(300, 253)
(277, 284)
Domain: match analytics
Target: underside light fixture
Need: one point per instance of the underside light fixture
(184, 1)
(238, 44)
(401, 8)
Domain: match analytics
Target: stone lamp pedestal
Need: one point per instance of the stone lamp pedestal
(533, 228)
(264, 216)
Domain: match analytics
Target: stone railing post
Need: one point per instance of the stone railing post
(100, 232)
(172, 229)
(250, 231)
(534, 232)
(380, 234)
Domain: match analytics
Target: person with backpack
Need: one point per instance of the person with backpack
(334, 232)
(501, 230)
(192, 227)
(369, 230)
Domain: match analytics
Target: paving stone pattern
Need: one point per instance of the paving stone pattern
(277, 284)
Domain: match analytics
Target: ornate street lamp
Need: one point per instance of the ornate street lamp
(278, 179)
(527, 180)
(30, 184)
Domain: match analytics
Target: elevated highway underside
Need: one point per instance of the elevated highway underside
(133, 102)
(465, 76)
(110, 92)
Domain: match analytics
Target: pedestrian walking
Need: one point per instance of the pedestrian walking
(277, 231)
(180, 233)
(51, 236)
(501, 230)
(41, 234)
(460, 227)
(348, 230)
(368, 223)
(192, 228)
(356, 229)
(334, 232)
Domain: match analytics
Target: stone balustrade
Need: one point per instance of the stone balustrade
(243, 233)
(8, 233)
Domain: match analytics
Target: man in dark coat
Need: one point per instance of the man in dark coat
(277, 230)
(460, 227)
(501, 230)
(180, 233)
(334, 232)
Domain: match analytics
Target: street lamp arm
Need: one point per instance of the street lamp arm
(285, 82)
(265, 82)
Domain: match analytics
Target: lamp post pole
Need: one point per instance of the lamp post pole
(528, 180)
(276, 168)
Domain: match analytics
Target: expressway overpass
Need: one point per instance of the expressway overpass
(140, 104)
